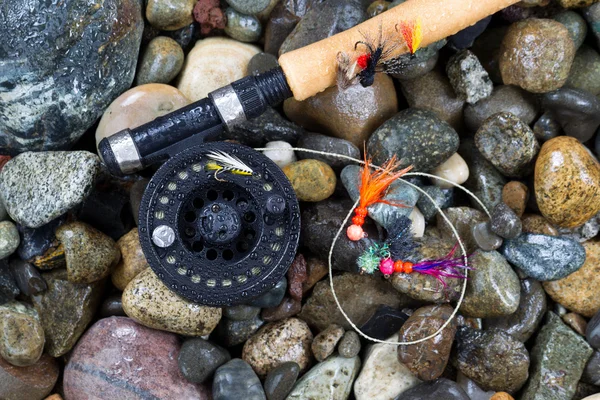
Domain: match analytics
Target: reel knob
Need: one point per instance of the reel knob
(219, 233)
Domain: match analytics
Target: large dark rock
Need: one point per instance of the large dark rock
(61, 64)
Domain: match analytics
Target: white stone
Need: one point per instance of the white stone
(329, 380)
(593, 397)
(383, 377)
(471, 389)
(279, 156)
(454, 169)
(418, 222)
(212, 64)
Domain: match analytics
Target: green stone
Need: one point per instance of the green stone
(245, 28)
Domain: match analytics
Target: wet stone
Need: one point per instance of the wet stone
(515, 195)
(427, 360)
(523, 322)
(592, 16)
(439, 389)
(493, 359)
(583, 232)
(576, 322)
(248, 6)
(236, 379)
(268, 127)
(543, 257)
(242, 27)
(331, 379)
(170, 15)
(504, 98)
(508, 143)
(384, 322)
(575, 24)
(9, 239)
(89, 253)
(315, 270)
(406, 67)
(505, 223)
(132, 260)
(273, 297)
(592, 332)
(463, 219)
(591, 373)
(22, 340)
(27, 277)
(112, 306)
(278, 152)
(287, 308)
(493, 287)
(27, 383)
(312, 180)
(198, 359)
(468, 77)
(8, 287)
(122, 359)
(262, 62)
(280, 380)
(161, 61)
(585, 72)
(314, 141)
(426, 206)
(576, 110)
(465, 38)
(231, 333)
(323, 345)
(349, 345)
(526, 62)
(241, 312)
(417, 137)
(558, 357)
(484, 238)
(485, 181)
(472, 390)
(38, 187)
(281, 23)
(65, 310)
(546, 127)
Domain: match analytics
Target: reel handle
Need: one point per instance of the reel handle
(131, 150)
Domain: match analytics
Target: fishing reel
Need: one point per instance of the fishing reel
(219, 222)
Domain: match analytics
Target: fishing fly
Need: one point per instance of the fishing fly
(221, 162)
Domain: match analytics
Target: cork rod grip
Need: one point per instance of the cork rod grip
(312, 69)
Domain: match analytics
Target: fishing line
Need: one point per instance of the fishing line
(337, 235)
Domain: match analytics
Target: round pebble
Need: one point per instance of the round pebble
(9, 239)
(515, 195)
(22, 340)
(526, 59)
(325, 342)
(577, 111)
(505, 223)
(312, 180)
(468, 77)
(280, 380)
(485, 239)
(132, 261)
(454, 169)
(161, 61)
(241, 312)
(26, 383)
(533, 223)
(245, 28)
(585, 72)
(417, 226)
(249, 7)
(170, 15)
(236, 380)
(279, 153)
(575, 24)
(349, 345)
(546, 127)
(198, 359)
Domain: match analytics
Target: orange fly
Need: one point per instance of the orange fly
(412, 33)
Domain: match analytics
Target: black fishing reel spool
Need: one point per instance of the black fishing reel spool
(213, 234)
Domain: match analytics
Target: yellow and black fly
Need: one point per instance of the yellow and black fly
(223, 162)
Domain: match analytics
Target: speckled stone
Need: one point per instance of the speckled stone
(533, 223)
(591, 374)
(241, 312)
(440, 389)
(417, 137)
(504, 98)
(331, 379)
(170, 15)
(558, 359)
(433, 92)
(484, 238)
(312, 180)
(426, 206)
(493, 288)
(485, 181)
(161, 61)
(463, 219)
(65, 310)
(149, 302)
(505, 223)
(236, 380)
(427, 360)
(198, 359)
(27, 277)
(22, 340)
(38, 187)
(567, 182)
(578, 291)
(28, 383)
(9, 239)
(124, 360)
(494, 360)
(132, 260)
(89, 253)
(333, 112)
(320, 310)
(508, 143)
(585, 232)
(273, 297)
(277, 342)
(398, 192)
(546, 127)
(325, 342)
(469, 79)
(349, 345)
(231, 333)
(523, 322)
(287, 308)
(314, 141)
(543, 257)
(575, 24)
(280, 380)
(242, 27)
(515, 195)
(576, 322)
(248, 6)
(528, 60)
(577, 111)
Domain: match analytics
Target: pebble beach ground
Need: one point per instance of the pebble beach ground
(509, 108)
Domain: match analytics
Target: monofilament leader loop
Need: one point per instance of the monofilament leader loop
(341, 228)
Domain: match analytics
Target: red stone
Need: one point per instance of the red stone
(26, 383)
(124, 360)
(209, 15)
(296, 277)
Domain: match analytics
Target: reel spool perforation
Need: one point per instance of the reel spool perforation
(235, 235)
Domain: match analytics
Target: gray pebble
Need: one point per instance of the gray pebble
(505, 222)
(426, 206)
(314, 141)
(577, 111)
(245, 28)
(349, 346)
(9, 239)
(546, 128)
(469, 79)
(198, 359)
(273, 297)
(261, 62)
(249, 7)
(161, 62)
(27, 277)
(485, 239)
(231, 333)
(585, 71)
(281, 379)
(8, 287)
(236, 380)
(575, 24)
(241, 312)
